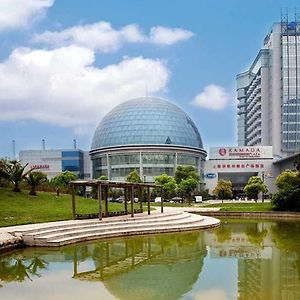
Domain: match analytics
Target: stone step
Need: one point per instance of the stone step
(188, 220)
(194, 221)
(117, 233)
(65, 224)
(100, 224)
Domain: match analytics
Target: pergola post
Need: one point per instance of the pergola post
(132, 200)
(125, 199)
(106, 201)
(73, 203)
(100, 201)
(162, 201)
(141, 194)
(148, 199)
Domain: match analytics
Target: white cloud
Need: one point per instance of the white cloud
(168, 36)
(212, 97)
(103, 37)
(63, 87)
(18, 13)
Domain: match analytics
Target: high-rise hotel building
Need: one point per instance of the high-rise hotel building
(269, 93)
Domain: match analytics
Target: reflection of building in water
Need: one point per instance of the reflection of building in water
(275, 278)
(150, 268)
(264, 271)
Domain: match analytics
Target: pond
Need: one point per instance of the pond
(241, 259)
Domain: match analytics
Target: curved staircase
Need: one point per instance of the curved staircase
(68, 232)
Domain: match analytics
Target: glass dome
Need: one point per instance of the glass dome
(146, 121)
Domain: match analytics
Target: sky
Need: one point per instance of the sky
(64, 64)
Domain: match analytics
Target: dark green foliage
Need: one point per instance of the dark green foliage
(223, 189)
(168, 185)
(63, 179)
(254, 186)
(134, 177)
(287, 199)
(185, 172)
(34, 179)
(14, 172)
(187, 180)
(288, 195)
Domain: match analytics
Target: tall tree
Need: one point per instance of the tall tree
(63, 179)
(223, 190)
(185, 172)
(187, 180)
(134, 177)
(254, 186)
(187, 187)
(34, 179)
(168, 185)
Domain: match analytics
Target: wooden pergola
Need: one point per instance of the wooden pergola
(102, 191)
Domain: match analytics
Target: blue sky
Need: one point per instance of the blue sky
(64, 64)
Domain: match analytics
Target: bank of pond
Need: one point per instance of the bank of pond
(241, 259)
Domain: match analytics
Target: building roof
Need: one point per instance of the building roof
(146, 121)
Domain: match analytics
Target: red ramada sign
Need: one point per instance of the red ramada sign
(244, 152)
(241, 152)
(39, 167)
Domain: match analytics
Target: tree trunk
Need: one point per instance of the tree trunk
(32, 192)
(16, 188)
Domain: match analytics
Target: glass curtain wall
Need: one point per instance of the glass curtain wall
(290, 86)
(146, 163)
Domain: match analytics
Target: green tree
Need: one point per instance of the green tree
(187, 180)
(15, 173)
(223, 190)
(3, 176)
(185, 172)
(288, 180)
(63, 179)
(288, 195)
(134, 177)
(187, 187)
(255, 185)
(103, 177)
(34, 179)
(168, 185)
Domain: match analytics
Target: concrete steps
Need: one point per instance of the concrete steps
(78, 231)
(79, 223)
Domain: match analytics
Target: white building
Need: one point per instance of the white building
(269, 93)
(54, 161)
(238, 164)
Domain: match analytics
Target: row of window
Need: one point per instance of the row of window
(147, 158)
(132, 161)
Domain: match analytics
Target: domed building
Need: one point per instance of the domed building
(147, 134)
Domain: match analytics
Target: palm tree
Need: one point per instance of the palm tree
(34, 179)
(15, 173)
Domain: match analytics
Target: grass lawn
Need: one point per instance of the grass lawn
(266, 206)
(20, 208)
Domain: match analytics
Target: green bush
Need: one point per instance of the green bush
(287, 199)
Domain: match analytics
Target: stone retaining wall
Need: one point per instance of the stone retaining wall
(252, 215)
(9, 241)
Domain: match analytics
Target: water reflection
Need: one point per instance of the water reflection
(239, 260)
(17, 269)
